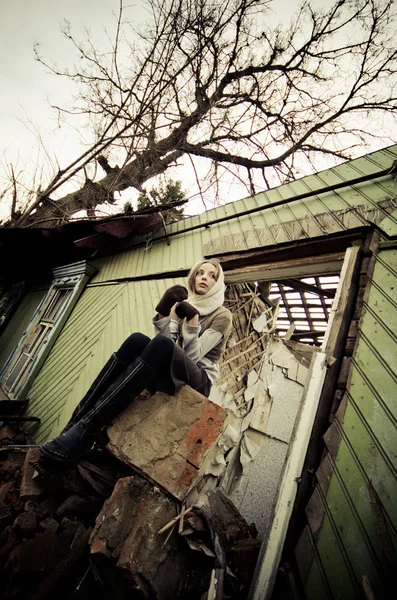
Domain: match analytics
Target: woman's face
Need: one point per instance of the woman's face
(205, 279)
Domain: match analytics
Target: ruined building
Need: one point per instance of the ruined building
(288, 470)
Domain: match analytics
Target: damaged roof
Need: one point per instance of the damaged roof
(22, 249)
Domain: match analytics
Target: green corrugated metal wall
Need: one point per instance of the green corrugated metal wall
(102, 319)
(258, 229)
(359, 533)
(12, 334)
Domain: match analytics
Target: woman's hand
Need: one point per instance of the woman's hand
(186, 310)
(174, 294)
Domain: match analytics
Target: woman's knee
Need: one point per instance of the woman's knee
(132, 347)
(159, 350)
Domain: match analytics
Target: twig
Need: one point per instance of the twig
(169, 535)
(174, 520)
(181, 517)
(251, 347)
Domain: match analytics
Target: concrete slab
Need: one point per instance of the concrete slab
(167, 438)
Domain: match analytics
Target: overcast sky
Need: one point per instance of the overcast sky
(25, 86)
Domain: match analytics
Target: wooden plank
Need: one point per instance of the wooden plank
(334, 346)
(277, 536)
(340, 318)
(301, 249)
(344, 372)
(299, 267)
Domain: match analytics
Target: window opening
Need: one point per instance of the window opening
(307, 303)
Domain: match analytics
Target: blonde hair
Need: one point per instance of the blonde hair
(191, 278)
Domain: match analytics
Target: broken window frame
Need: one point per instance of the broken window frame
(318, 391)
(29, 356)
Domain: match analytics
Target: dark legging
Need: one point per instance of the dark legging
(157, 353)
(170, 362)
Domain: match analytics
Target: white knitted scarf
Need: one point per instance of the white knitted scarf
(207, 303)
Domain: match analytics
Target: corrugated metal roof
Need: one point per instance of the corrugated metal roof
(100, 322)
(362, 491)
(298, 220)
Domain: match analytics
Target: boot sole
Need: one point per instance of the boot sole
(55, 457)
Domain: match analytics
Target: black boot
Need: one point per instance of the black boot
(109, 373)
(78, 439)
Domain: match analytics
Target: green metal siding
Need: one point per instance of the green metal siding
(349, 544)
(19, 321)
(270, 226)
(102, 319)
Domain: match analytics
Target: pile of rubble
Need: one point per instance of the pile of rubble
(133, 520)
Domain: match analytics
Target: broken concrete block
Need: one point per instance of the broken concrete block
(126, 531)
(30, 489)
(5, 490)
(40, 511)
(167, 438)
(39, 555)
(8, 539)
(49, 525)
(123, 511)
(6, 518)
(253, 385)
(26, 523)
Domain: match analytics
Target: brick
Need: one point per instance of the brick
(167, 438)
(30, 489)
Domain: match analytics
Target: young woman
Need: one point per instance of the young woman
(191, 328)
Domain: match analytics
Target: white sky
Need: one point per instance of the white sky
(25, 85)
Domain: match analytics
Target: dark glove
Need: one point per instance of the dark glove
(174, 294)
(184, 309)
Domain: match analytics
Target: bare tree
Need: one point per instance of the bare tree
(214, 79)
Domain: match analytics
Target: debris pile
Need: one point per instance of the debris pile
(254, 324)
(123, 523)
